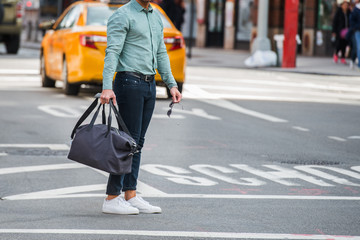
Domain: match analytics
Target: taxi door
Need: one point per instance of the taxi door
(58, 41)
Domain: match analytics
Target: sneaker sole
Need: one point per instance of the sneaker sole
(150, 212)
(135, 213)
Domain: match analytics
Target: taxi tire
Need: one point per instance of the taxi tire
(180, 86)
(70, 89)
(45, 80)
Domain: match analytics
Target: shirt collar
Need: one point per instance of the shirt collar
(139, 8)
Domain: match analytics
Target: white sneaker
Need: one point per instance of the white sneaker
(143, 206)
(118, 205)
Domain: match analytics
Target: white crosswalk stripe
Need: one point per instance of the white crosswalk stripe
(237, 84)
(212, 83)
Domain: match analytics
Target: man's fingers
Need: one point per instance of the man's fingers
(106, 95)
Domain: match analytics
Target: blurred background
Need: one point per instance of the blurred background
(228, 24)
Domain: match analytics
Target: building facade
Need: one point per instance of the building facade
(231, 24)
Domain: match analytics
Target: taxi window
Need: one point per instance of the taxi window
(165, 22)
(70, 18)
(98, 16)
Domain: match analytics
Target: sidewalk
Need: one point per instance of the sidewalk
(214, 57)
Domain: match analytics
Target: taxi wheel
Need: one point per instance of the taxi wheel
(70, 89)
(45, 80)
(180, 86)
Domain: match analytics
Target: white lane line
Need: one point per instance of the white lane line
(19, 71)
(354, 137)
(60, 111)
(301, 129)
(38, 168)
(2, 154)
(50, 146)
(195, 112)
(60, 193)
(209, 98)
(243, 90)
(164, 116)
(149, 192)
(184, 234)
(325, 86)
(339, 139)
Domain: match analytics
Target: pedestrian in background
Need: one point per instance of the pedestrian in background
(158, 2)
(339, 30)
(354, 34)
(135, 48)
(175, 9)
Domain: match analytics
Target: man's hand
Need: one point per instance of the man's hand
(176, 95)
(106, 95)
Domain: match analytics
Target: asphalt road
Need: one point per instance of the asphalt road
(248, 155)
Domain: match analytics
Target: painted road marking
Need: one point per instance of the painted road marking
(19, 71)
(354, 137)
(80, 192)
(149, 191)
(195, 112)
(209, 98)
(335, 86)
(339, 139)
(278, 174)
(38, 168)
(57, 147)
(164, 116)
(54, 194)
(3, 154)
(70, 112)
(278, 91)
(301, 129)
(60, 111)
(185, 234)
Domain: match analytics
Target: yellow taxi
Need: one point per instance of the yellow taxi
(73, 48)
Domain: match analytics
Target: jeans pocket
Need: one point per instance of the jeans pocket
(130, 81)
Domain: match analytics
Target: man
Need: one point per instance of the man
(135, 48)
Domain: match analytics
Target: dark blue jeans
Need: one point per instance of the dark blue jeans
(136, 102)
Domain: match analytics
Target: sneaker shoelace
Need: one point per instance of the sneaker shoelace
(142, 200)
(123, 201)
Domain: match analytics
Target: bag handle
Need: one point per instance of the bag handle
(84, 116)
(120, 121)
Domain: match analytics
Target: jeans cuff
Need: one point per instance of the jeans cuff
(128, 188)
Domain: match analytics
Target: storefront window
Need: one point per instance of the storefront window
(216, 15)
(325, 14)
(244, 22)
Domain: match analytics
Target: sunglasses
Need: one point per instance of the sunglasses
(171, 105)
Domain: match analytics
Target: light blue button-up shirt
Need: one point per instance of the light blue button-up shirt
(135, 43)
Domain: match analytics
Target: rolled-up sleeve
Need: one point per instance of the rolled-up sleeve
(117, 29)
(163, 64)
